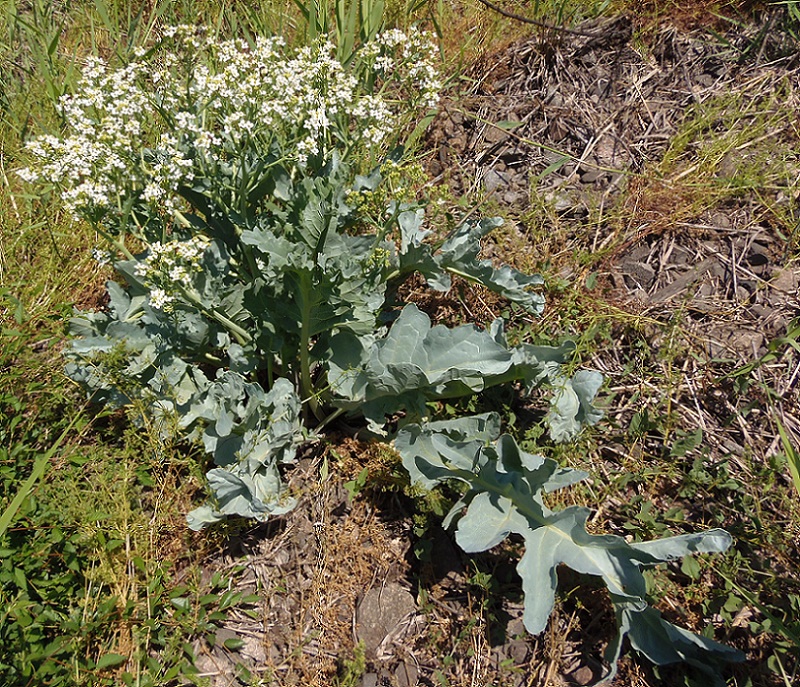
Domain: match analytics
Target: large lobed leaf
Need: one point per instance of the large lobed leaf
(504, 496)
(458, 255)
(131, 353)
(249, 432)
(312, 276)
(415, 363)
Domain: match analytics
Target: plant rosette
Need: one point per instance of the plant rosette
(258, 298)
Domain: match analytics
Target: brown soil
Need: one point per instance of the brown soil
(568, 140)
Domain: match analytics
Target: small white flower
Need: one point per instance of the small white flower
(102, 257)
(234, 102)
(160, 300)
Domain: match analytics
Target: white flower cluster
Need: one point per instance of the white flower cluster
(102, 257)
(141, 131)
(409, 58)
(169, 268)
(105, 118)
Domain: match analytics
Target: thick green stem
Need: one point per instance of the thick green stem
(306, 384)
(119, 246)
(330, 418)
(393, 275)
(305, 373)
(251, 262)
(242, 337)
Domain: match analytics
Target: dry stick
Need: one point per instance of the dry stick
(536, 22)
(734, 265)
(701, 419)
(792, 381)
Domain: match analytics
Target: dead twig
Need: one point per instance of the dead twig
(541, 24)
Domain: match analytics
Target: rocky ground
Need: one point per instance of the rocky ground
(656, 177)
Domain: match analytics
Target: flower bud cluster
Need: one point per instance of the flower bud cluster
(169, 269)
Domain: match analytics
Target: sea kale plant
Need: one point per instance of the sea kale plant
(239, 191)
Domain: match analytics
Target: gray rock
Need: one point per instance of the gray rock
(406, 674)
(785, 281)
(513, 198)
(493, 180)
(592, 175)
(381, 610)
(640, 272)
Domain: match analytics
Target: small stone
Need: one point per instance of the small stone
(721, 220)
(495, 134)
(380, 611)
(757, 255)
(512, 198)
(493, 180)
(583, 676)
(406, 675)
(640, 272)
(785, 281)
(518, 651)
(746, 342)
(223, 635)
(562, 203)
(515, 628)
(592, 175)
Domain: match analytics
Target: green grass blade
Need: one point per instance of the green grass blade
(372, 14)
(791, 453)
(102, 11)
(38, 471)
(346, 18)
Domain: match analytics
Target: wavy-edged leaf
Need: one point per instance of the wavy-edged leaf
(459, 255)
(443, 446)
(250, 433)
(415, 363)
(504, 496)
(571, 405)
(664, 643)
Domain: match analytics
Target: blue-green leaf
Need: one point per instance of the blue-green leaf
(571, 405)
(459, 255)
(415, 363)
(504, 496)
